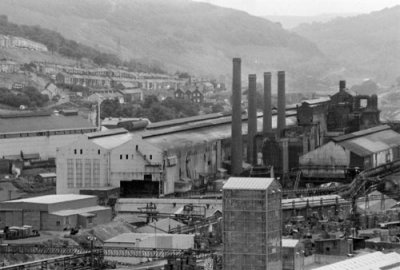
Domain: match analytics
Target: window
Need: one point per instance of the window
(151, 157)
(137, 147)
(75, 151)
(58, 223)
(81, 151)
(120, 156)
(127, 156)
(90, 220)
(98, 151)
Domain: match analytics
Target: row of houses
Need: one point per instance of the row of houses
(9, 66)
(22, 43)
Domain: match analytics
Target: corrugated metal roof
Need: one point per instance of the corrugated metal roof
(217, 129)
(55, 198)
(361, 133)
(86, 211)
(250, 183)
(108, 132)
(371, 143)
(372, 261)
(316, 101)
(43, 123)
(111, 142)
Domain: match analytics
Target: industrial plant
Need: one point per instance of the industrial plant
(311, 185)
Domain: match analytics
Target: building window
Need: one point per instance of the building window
(75, 151)
(151, 157)
(137, 147)
(98, 151)
(81, 151)
(127, 157)
(120, 156)
(79, 172)
(58, 223)
(90, 220)
(70, 173)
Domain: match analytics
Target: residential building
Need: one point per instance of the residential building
(132, 95)
(8, 66)
(252, 224)
(54, 212)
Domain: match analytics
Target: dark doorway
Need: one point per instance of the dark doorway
(139, 188)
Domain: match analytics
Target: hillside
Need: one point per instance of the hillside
(368, 45)
(291, 21)
(181, 34)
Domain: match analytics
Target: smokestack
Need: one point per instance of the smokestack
(342, 85)
(267, 119)
(281, 103)
(252, 121)
(236, 142)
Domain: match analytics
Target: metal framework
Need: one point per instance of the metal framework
(104, 251)
(81, 261)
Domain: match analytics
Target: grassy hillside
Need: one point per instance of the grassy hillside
(181, 34)
(366, 45)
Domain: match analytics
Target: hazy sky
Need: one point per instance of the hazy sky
(304, 7)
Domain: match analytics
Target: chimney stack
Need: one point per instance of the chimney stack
(267, 118)
(281, 103)
(236, 142)
(252, 120)
(342, 85)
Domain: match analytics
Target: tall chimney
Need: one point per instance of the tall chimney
(281, 103)
(252, 121)
(236, 142)
(342, 85)
(267, 119)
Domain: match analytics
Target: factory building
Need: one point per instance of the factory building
(363, 149)
(292, 254)
(152, 240)
(252, 224)
(113, 158)
(39, 133)
(375, 260)
(54, 212)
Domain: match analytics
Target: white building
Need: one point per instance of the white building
(102, 159)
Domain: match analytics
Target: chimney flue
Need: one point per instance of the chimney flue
(267, 119)
(252, 120)
(236, 142)
(281, 103)
(342, 85)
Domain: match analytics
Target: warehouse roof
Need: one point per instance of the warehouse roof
(369, 141)
(249, 183)
(134, 237)
(55, 198)
(42, 123)
(372, 261)
(110, 142)
(86, 211)
(201, 132)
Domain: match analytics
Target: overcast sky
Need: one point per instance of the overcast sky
(304, 7)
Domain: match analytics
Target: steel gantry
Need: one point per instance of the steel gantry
(106, 251)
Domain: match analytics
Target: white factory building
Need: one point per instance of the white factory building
(165, 158)
(104, 159)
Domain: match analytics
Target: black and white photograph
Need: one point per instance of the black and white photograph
(199, 134)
